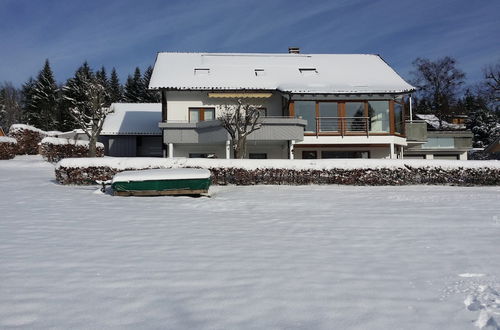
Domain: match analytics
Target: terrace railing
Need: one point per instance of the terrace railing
(343, 125)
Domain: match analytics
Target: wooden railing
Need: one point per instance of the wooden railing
(343, 125)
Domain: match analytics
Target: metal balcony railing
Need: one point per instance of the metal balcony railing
(343, 125)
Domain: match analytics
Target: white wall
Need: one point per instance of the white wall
(178, 103)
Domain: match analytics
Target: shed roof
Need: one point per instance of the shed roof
(133, 119)
(293, 73)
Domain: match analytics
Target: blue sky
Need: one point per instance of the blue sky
(128, 33)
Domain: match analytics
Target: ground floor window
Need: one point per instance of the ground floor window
(198, 155)
(451, 157)
(309, 154)
(344, 154)
(255, 155)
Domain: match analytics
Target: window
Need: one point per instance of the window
(344, 154)
(398, 117)
(201, 114)
(309, 154)
(253, 155)
(260, 72)
(307, 110)
(201, 72)
(262, 112)
(198, 155)
(378, 111)
(308, 71)
(327, 110)
(354, 111)
(439, 142)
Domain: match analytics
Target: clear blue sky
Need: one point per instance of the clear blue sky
(129, 33)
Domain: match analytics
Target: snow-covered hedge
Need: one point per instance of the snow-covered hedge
(54, 149)
(28, 138)
(294, 172)
(8, 147)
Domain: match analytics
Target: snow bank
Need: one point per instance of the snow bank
(62, 141)
(20, 127)
(295, 172)
(6, 139)
(161, 174)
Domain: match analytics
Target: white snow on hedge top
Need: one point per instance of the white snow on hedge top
(162, 174)
(54, 133)
(295, 73)
(60, 141)
(5, 139)
(123, 163)
(20, 127)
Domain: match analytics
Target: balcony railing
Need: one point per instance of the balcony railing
(343, 125)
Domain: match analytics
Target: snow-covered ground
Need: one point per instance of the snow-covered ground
(259, 257)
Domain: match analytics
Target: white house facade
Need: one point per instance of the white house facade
(312, 105)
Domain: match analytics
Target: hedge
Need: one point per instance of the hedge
(55, 149)
(405, 175)
(8, 147)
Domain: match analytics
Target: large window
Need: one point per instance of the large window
(378, 111)
(344, 154)
(201, 114)
(439, 142)
(398, 117)
(328, 113)
(354, 111)
(307, 110)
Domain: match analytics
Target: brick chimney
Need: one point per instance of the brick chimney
(293, 50)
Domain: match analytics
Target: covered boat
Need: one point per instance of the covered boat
(172, 181)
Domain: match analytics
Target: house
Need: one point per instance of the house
(442, 140)
(313, 105)
(131, 130)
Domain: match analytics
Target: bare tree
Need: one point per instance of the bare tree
(240, 120)
(10, 108)
(491, 85)
(90, 111)
(438, 82)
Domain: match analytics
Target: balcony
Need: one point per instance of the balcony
(272, 129)
(343, 125)
(416, 131)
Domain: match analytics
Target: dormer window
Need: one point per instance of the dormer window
(308, 71)
(260, 72)
(201, 72)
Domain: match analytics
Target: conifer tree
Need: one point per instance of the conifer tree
(27, 99)
(42, 111)
(73, 90)
(115, 89)
(150, 96)
(134, 88)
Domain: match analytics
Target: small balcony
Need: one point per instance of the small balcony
(211, 131)
(416, 131)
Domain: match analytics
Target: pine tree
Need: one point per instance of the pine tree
(134, 88)
(27, 99)
(10, 108)
(150, 96)
(89, 105)
(72, 90)
(115, 89)
(485, 125)
(42, 110)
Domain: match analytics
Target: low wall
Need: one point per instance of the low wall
(295, 172)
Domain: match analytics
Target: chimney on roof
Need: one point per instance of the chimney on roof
(293, 50)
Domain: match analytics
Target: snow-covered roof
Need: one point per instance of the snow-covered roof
(133, 119)
(433, 121)
(294, 73)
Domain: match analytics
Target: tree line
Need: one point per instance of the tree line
(45, 104)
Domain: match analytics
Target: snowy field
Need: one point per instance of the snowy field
(261, 257)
